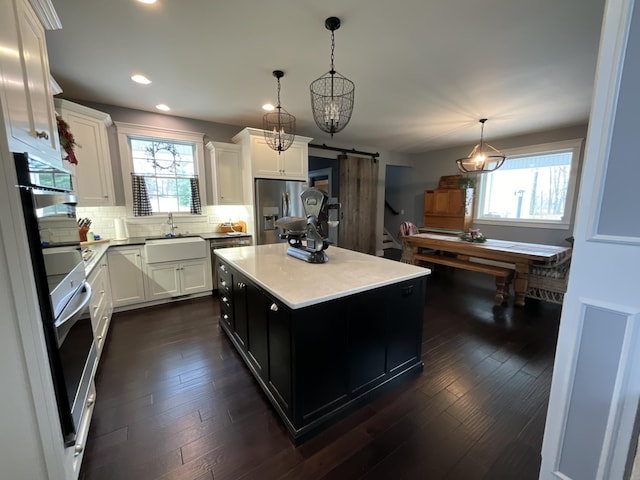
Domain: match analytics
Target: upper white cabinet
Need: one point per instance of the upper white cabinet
(227, 173)
(92, 175)
(292, 164)
(25, 81)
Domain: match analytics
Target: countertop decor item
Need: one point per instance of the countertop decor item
(332, 94)
(483, 158)
(66, 140)
(279, 126)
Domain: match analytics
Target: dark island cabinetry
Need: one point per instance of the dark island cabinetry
(320, 361)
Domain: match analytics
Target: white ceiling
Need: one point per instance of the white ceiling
(425, 70)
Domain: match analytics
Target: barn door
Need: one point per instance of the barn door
(592, 430)
(358, 196)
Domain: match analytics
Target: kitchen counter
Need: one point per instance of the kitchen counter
(299, 284)
(321, 339)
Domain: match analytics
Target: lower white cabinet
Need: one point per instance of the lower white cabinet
(101, 303)
(171, 279)
(126, 275)
(73, 455)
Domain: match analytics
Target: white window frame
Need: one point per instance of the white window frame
(126, 130)
(575, 146)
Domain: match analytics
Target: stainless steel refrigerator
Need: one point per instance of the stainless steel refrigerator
(275, 199)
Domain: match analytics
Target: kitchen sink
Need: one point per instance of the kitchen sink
(171, 237)
(174, 249)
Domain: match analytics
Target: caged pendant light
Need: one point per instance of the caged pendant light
(279, 125)
(483, 158)
(332, 94)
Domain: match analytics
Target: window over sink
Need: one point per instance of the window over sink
(168, 163)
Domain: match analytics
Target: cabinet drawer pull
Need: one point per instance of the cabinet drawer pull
(225, 299)
(274, 307)
(99, 337)
(90, 399)
(223, 268)
(78, 450)
(223, 283)
(225, 316)
(408, 290)
(42, 134)
(241, 285)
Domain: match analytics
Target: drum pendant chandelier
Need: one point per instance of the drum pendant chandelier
(483, 158)
(332, 94)
(279, 126)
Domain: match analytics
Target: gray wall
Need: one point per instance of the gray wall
(405, 186)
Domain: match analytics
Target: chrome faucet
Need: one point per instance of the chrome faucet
(171, 224)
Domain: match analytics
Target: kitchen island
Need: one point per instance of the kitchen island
(321, 339)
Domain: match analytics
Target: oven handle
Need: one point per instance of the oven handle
(72, 312)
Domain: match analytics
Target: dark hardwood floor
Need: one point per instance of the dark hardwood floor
(174, 400)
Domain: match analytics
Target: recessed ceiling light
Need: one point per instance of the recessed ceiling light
(141, 79)
(268, 107)
(163, 107)
(147, 1)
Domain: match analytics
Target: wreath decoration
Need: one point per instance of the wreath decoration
(473, 236)
(66, 140)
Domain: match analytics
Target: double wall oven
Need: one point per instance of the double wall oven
(49, 208)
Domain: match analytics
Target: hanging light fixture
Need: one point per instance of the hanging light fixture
(332, 94)
(483, 158)
(279, 125)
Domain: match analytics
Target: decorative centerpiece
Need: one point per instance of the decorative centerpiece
(66, 140)
(473, 235)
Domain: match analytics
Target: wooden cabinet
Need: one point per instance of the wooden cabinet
(101, 303)
(264, 162)
(171, 279)
(26, 84)
(126, 275)
(319, 360)
(227, 173)
(93, 180)
(448, 208)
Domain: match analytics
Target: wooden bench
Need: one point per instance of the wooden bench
(502, 275)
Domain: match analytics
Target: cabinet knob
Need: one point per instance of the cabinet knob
(225, 316)
(224, 299)
(223, 268)
(274, 307)
(241, 285)
(78, 450)
(44, 135)
(99, 337)
(223, 283)
(91, 399)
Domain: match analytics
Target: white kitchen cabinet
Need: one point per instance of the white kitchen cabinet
(25, 85)
(292, 164)
(126, 275)
(227, 173)
(93, 180)
(101, 303)
(172, 279)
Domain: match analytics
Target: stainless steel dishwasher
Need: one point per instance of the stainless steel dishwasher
(224, 242)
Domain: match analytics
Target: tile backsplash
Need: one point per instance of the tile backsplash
(102, 220)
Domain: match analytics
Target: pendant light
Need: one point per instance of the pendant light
(279, 125)
(483, 158)
(332, 94)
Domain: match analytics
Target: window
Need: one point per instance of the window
(169, 163)
(167, 168)
(535, 186)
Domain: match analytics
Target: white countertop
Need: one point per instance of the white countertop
(299, 284)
